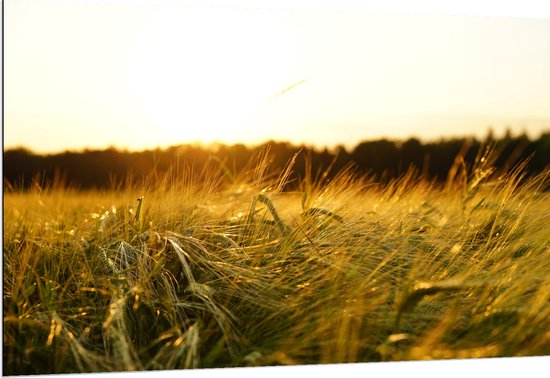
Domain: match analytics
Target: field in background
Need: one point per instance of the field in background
(175, 274)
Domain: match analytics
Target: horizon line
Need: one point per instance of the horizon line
(315, 146)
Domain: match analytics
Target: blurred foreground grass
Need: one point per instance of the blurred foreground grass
(236, 272)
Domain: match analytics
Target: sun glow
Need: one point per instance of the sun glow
(211, 96)
(141, 74)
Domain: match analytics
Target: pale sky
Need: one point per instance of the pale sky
(141, 73)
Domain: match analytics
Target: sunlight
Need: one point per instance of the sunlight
(161, 74)
(184, 90)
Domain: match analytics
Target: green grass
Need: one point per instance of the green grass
(174, 273)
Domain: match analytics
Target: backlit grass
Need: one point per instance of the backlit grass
(175, 273)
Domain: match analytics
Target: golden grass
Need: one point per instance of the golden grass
(237, 272)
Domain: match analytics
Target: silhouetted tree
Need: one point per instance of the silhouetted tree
(382, 159)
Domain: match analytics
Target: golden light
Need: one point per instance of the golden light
(207, 82)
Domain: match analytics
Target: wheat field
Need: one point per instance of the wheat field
(232, 270)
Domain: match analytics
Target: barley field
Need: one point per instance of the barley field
(176, 272)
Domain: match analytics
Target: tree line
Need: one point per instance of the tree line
(381, 159)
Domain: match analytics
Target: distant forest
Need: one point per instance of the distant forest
(381, 159)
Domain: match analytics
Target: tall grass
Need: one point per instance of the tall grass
(175, 274)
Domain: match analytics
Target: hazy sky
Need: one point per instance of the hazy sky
(144, 73)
